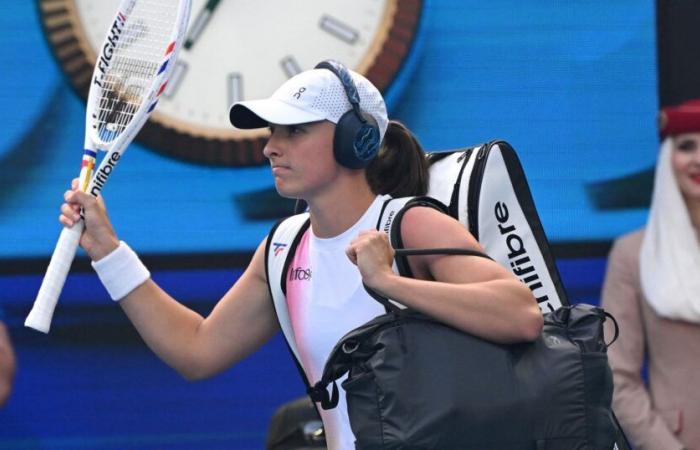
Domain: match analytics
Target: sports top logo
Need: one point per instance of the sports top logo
(278, 247)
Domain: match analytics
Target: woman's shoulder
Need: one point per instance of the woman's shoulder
(628, 245)
(631, 239)
(424, 226)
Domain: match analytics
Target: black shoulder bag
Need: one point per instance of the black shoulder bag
(415, 383)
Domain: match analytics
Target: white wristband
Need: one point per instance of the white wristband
(121, 271)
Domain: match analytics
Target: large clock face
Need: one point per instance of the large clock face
(244, 49)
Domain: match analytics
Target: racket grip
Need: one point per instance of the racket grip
(39, 317)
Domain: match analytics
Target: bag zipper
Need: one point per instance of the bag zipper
(475, 189)
(453, 208)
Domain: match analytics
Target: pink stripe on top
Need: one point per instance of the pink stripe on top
(298, 281)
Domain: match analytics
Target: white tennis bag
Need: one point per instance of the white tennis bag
(485, 188)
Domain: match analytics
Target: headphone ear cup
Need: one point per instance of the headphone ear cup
(356, 143)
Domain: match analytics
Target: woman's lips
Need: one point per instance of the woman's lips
(279, 170)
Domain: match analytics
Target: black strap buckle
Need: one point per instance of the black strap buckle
(319, 394)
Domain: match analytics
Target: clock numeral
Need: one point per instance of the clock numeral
(339, 29)
(176, 77)
(290, 66)
(200, 22)
(197, 27)
(234, 82)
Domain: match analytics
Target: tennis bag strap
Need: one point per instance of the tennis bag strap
(280, 247)
(485, 188)
(390, 222)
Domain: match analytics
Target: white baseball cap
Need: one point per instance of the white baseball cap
(310, 96)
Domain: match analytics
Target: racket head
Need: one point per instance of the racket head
(132, 68)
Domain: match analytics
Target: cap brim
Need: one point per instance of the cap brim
(259, 113)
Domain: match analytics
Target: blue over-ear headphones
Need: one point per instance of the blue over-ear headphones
(357, 138)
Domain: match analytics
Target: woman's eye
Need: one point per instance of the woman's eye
(687, 145)
(287, 130)
(295, 129)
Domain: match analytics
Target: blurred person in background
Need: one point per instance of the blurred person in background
(296, 425)
(652, 287)
(7, 362)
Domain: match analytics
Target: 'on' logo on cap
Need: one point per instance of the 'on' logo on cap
(298, 93)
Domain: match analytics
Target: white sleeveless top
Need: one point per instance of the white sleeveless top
(325, 300)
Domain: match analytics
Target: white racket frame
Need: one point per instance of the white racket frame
(40, 316)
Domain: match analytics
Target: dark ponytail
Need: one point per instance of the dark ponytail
(400, 169)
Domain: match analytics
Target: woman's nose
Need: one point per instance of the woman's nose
(269, 151)
(272, 147)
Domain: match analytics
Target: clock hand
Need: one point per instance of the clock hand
(200, 22)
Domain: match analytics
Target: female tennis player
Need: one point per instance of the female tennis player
(326, 126)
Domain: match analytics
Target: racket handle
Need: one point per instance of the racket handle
(40, 316)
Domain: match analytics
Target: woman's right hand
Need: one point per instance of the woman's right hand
(98, 238)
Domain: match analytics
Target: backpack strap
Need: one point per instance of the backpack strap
(390, 222)
(279, 251)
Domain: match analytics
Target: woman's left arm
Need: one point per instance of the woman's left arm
(473, 294)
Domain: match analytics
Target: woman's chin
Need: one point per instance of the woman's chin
(690, 189)
(286, 192)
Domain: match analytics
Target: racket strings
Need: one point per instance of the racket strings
(137, 60)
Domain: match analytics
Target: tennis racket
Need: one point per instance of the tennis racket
(131, 73)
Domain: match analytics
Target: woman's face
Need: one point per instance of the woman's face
(685, 160)
(302, 158)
